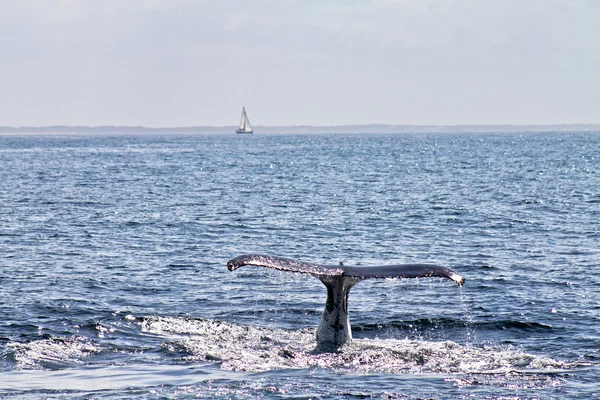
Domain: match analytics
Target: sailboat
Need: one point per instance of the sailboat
(245, 126)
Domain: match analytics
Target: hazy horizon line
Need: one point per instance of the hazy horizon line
(306, 128)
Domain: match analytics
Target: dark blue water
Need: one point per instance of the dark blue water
(113, 278)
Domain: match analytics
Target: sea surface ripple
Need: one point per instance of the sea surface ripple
(113, 278)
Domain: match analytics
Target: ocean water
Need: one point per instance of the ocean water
(113, 278)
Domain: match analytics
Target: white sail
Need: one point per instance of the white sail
(243, 119)
(245, 126)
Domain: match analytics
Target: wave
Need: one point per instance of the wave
(426, 324)
(241, 348)
(53, 352)
(249, 349)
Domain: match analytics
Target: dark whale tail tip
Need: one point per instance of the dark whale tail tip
(334, 328)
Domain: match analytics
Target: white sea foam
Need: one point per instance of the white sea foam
(243, 348)
(53, 351)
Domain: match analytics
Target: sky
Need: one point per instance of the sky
(168, 63)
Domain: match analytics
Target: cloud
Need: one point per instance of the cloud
(299, 61)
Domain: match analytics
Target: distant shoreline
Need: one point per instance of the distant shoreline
(373, 128)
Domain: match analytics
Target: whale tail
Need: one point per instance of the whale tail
(334, 328)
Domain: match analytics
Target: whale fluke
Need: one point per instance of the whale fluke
(283, 264)
(334, 328)
(404, 271)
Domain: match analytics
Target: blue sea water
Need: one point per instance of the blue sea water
(113, 278)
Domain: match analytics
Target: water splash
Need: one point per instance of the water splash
(52, 352)
(241, 348)
(468, 317)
